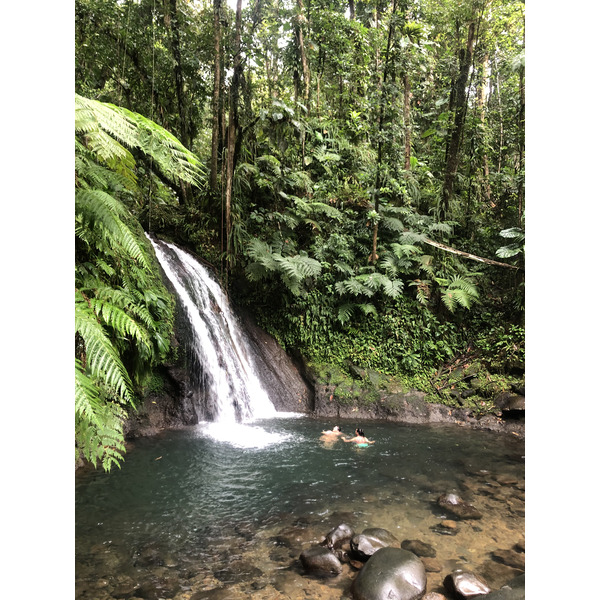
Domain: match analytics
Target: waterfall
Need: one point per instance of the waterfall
(229, 390)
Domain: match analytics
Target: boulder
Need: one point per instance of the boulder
(321, 561)
(338, 535)
(459, 509)
(465, 584)
(391, 573)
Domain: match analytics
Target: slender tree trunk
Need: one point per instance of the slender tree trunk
(232, 130)
(487, 190)
(459, 120)
(407, 128)
(351, 9)
(300, 21)
(521, 188)
(216, 99)
(373, 257)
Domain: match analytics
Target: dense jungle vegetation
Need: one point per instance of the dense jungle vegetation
(355, 172)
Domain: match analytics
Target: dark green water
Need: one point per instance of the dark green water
(185, 506)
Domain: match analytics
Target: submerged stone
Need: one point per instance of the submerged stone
(513, 590)
(456, 506)
(321, 561)
(419, 548)
(391, 573)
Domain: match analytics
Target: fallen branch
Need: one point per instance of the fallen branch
(467, 254)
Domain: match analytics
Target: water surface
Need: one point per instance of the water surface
(231, 507)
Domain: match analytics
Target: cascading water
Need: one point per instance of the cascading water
(229, 390)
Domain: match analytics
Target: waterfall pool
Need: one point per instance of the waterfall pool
(224, 511)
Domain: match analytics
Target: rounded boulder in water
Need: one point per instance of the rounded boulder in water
(371, 540)
(338, 535)
(391, 573)
(464, 584)
(321, 561)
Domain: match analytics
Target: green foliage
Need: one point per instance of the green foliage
(123, 313)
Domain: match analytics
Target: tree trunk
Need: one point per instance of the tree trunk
(487, 190)
(407, 129)
(521, 189)
(373, 257)
(459, 120)
(300, 21)
(172, 23)
(233, 124)
(216, 100)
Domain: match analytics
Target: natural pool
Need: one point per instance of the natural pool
(224, 512)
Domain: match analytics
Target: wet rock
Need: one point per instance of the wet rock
(321, 561)
(149, 556)
(457, 507)
(419, 548)
(382, 534)
(432, 565)
(124, 587)
(513, 559)
(390, 573)
(433, 596)
(496, 574)
(238, 571)
(371, 540)
(513, 590)
(218, 594)
(338, 535)
(442, 530)
(465, 584)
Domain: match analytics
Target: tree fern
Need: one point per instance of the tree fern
(123, 313)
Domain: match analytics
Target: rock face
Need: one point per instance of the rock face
(321, 561)
(464, 584)
(280, 374)
(391, 574)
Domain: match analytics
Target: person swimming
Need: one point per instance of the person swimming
(359, 438)
(336, 431)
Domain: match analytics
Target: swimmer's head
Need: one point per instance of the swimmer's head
(337, 428)
(360, 432)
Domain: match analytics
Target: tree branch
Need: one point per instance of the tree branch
(468, 255)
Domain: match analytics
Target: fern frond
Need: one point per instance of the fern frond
(342, 267)
(354, 287)
(345, 312)
(392, 287)
(118, 320)
(392, 224)
(103, 362)
(367, 309)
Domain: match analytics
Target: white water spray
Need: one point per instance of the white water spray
(231, 391)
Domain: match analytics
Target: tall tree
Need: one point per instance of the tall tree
(233, 127)
(460, 111)
(216, 98)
